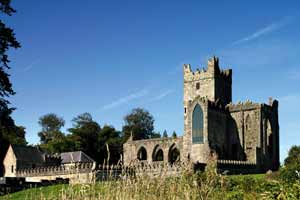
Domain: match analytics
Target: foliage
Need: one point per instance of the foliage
(51, 125)
(293, 156)
(187, 185)
(111, 137)
(84, 134)
(174, 135)
(9, 132)
(140, 123)
(7, 41)
(165, 134)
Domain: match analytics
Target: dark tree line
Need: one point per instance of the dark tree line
(9, 131)
(103, 144)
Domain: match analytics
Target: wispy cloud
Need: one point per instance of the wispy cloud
(294, 74)
(268, 29)
(126, 99)
(162, 95)
(30, 66)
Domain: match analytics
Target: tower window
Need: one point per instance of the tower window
(12, 169)
(185, 110)
(197, 125)
(197, 86)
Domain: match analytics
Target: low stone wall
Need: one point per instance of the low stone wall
(77, 173)
(237, 167)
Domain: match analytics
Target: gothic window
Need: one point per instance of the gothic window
(174, 154)
(197, 86)
(197, 125)
(142, 154)
(184, 110)
(159, 156)
(12, 169)
(269, 138)
(248, 123)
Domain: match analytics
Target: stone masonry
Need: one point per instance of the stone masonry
(245, 132)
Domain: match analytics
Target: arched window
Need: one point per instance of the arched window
(142, 154)
(197, 130)
(174, 154)
(248, 123)
(158, 154)
(269, 138)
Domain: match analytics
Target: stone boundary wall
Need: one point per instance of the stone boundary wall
(56, 170)
(237, 167)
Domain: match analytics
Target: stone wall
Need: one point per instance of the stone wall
(78, 173)
(152, 146)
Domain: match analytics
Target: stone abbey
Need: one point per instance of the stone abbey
(243, 135)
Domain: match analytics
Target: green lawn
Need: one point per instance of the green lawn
(207, 185)
(36, 193)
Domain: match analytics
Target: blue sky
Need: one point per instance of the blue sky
(107, 57)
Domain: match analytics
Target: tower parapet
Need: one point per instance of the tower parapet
(211, 82)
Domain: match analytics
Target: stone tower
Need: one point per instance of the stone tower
(202, 88)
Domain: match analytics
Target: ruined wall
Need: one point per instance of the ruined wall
(270, 136)
(132, 147)
(245, 130)
(217, 126)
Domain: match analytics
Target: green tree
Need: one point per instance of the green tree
(51, 125)
(7, 41)
(174, 135)
(111, 137)
(140, 123)
(84, 134)
(59, 145)
(293, 156)
(165, 134)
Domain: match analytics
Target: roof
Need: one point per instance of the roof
(75, 156)
(28, 154)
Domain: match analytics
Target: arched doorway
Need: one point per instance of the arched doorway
(142, 154)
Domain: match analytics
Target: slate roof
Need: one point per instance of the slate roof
(75, 156)
(28, 154)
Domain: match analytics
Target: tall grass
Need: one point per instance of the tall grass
(185, 185)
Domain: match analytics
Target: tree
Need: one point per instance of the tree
(85, 133)
(63, 144)
(156, 135)
(293, 156)
(140, 123)
(111, 137)
(51, 125)
(290, 171)
(165, 134)
(7, 41)
(174, 135)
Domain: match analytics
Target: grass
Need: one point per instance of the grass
(188, 185)
(185, 187)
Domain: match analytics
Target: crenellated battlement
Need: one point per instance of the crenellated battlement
(212, 70)
(247, 105)
(56, 170)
